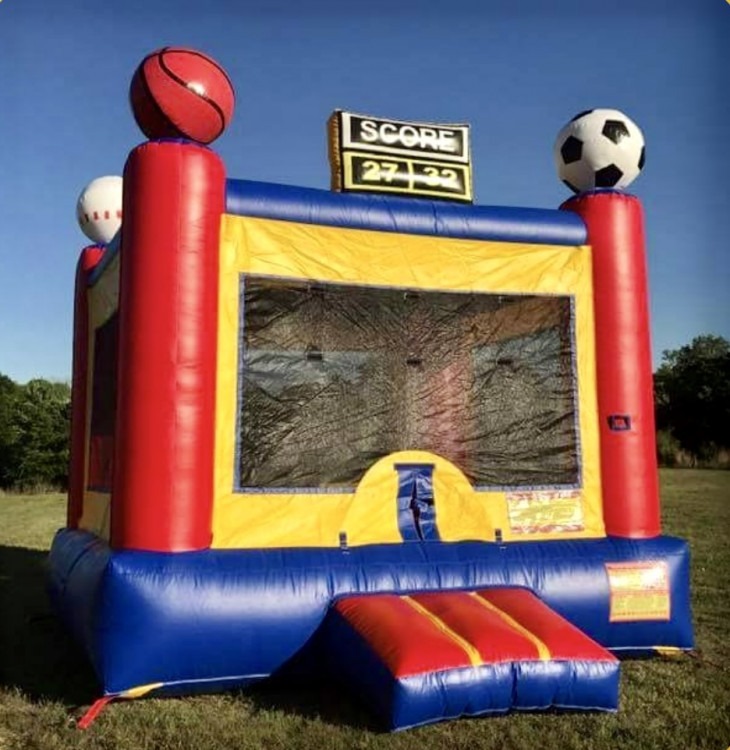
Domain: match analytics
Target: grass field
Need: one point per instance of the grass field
(45, 682)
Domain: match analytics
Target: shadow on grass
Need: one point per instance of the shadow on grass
(314, 700)
(37, 656)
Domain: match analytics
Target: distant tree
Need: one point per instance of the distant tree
(34, 432)
(42, 416)
(9, 391)
(692, 391)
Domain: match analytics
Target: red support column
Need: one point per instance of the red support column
(624, 368)
(88, 260)
(174, 196)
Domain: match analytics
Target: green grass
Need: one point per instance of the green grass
(45, 682)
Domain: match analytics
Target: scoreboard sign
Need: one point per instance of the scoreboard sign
(391, 156)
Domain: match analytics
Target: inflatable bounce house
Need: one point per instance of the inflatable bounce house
(377, 432)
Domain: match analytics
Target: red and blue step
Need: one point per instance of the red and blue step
(428, 657)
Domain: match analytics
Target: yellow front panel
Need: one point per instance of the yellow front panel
(369, 515)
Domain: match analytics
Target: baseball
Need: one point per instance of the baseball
(99, 209)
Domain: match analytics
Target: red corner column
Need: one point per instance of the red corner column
(624, 369)
(88, 260)
(174, 195)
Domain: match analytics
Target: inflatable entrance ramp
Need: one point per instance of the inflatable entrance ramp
(427, 657)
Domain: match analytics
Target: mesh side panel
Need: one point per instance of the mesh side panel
(103, 405)
(335, 377)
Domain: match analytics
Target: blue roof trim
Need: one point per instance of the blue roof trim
(407, 215)
(111, 250)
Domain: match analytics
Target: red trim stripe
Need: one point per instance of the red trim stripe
(490, 634)
(475, 658)
(563, 639)
(404, 640)
(543, 652)
(93, 712)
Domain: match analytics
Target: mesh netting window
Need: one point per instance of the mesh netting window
(103, 405)
(335, 377)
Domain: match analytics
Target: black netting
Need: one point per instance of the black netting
(103, 405)
(335, 377)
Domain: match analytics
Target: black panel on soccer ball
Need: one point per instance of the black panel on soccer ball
(615, 130)
(582, 114)
(642, 158)
(608, 176)
(571, 150)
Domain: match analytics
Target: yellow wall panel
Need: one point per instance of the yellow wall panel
(96, 513)
(103, 302)
(369, 516)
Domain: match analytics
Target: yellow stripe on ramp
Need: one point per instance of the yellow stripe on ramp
(474, 656)
(542, 649)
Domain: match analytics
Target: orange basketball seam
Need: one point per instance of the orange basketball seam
(148, 97)
(166, 117)
(195, 53)
(175, 77)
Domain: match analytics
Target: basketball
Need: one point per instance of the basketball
(181, 93)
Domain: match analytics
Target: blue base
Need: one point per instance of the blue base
(224, 618)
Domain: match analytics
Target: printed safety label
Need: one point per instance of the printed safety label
(545, 511)
(639, 591)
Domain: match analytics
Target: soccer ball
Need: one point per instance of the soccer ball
(599, 148)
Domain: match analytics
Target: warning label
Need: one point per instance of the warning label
(545, 511)
(639, 591)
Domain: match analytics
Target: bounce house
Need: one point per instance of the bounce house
(405, 441)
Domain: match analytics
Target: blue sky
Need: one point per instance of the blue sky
(516, 70)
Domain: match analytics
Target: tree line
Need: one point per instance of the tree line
(691, 391)
(692, 401)
(34, 433)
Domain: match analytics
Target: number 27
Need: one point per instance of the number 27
(374, 171)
